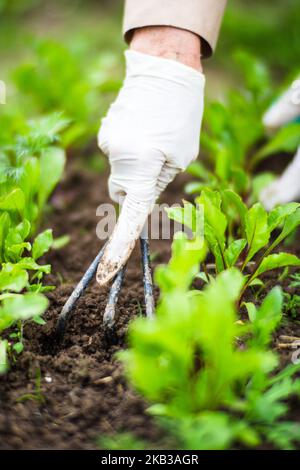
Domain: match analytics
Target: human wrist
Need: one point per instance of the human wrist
(169, 43)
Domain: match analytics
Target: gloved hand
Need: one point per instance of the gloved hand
(286, 188)
(150, 134)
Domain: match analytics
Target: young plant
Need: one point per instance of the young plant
(14, 310)
(291, 304)
(258, 237)
(206, 374)
(75, 90)
(21, 285)
(31, 166)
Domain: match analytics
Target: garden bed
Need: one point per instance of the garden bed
(83, 394)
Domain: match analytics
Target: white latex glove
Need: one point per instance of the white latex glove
(285, 109)
(286, 188)
(150, 134)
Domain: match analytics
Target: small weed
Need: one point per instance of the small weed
(38, 395)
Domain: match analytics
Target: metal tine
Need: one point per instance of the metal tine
(76, 294)
(147, 274)
(110, 309)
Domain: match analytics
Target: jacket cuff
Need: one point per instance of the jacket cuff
(202, 17)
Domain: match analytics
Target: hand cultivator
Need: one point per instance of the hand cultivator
(110, 310)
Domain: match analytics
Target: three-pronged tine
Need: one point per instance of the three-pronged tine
(76, 294)
(110, 310)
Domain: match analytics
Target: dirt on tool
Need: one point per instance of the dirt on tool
(67, 397)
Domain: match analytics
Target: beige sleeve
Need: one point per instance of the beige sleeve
(202, 17)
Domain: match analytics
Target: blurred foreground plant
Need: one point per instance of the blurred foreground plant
(210, 377)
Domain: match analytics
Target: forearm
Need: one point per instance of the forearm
(170, 43)
(201, 17)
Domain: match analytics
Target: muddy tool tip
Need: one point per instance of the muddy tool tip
(119, 246)
(60, 329)
(110, 310)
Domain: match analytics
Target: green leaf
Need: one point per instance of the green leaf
(223, 164)
(52, 164)
(234, 250)
(240, 180)
(284, 435)
(29, 183)
(231, 198)
(251, 310)
(259, 182)
(255, 72)
(203, 277)
(187, 215)
(183, 266)
(50, 126)
(286, 140)
(21, 307)
(23, 229)
(198, 170)
(256, 283)
(194, 187)
(39, 320)
(257, 230)
(15, 243)
(13, 278)
(3, 356)
(4, 228)
(31, 265)
(211, 430)
(13, 202)
(276, 261)
(215, 224)
(280, 213)
(18, 347)
(290, 224)
(42, 243)
(60, 242)
(267, 317)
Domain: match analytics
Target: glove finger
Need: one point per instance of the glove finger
(284, 110)
(286, 188)
(122, 241)
(116, 190)
(133, 216)
(103, 139)
(139, 187)
(166, 176)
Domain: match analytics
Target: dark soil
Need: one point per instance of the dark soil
(83, 392)
(82, 384)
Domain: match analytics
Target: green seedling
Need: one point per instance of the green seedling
(31, 166)
(38, 395)
(252, 247)
(209, 376)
